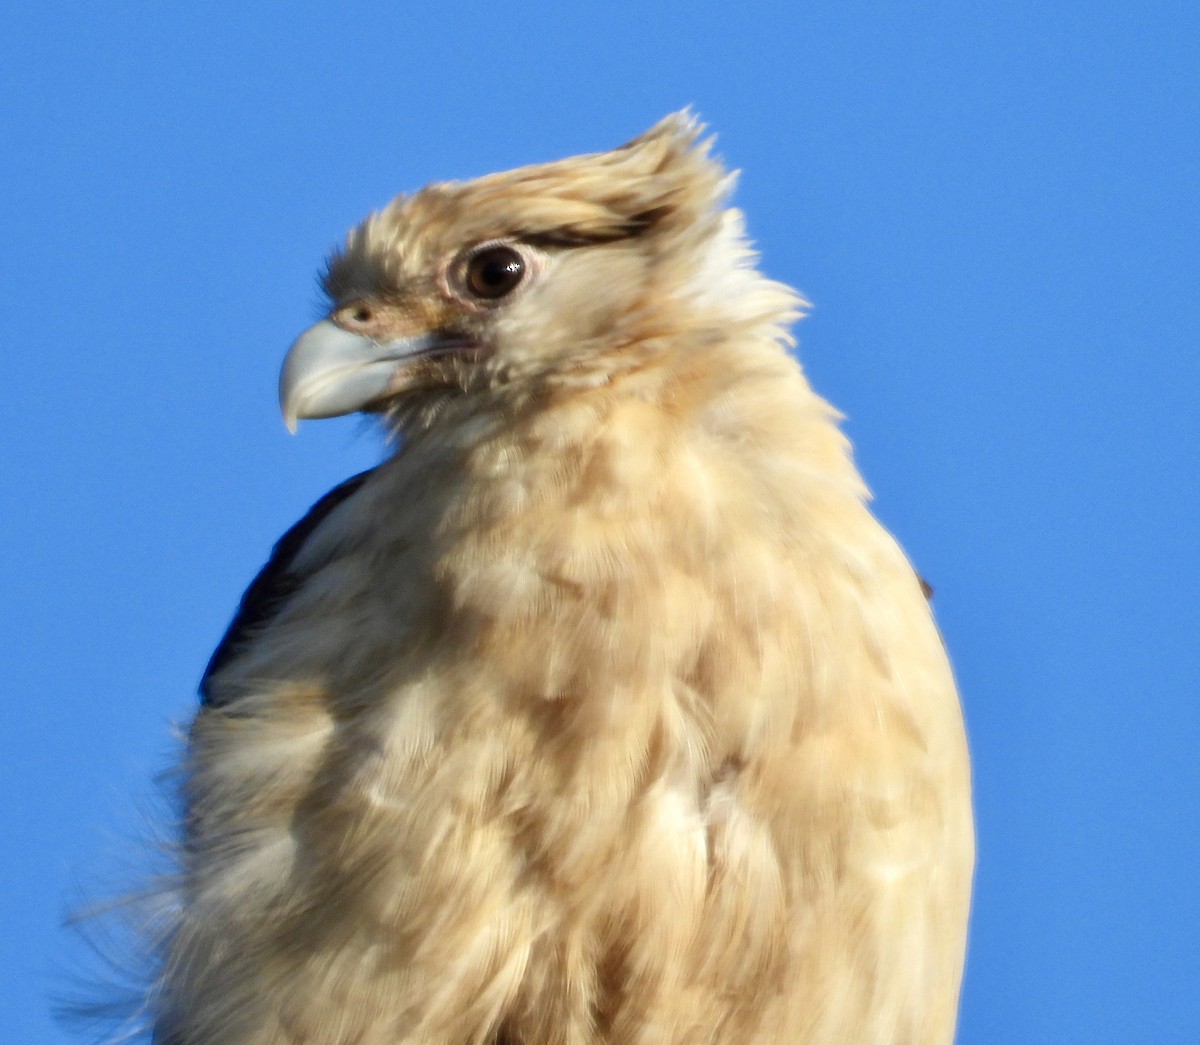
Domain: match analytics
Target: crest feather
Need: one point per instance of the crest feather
(664, 180)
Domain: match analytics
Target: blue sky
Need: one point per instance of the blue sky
(995, 211)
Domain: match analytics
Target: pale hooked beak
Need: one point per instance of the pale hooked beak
(330, 371)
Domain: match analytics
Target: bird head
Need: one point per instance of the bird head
(563, 271)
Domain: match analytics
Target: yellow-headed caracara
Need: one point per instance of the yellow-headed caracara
(602, 711)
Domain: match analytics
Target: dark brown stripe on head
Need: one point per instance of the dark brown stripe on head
(574, 237)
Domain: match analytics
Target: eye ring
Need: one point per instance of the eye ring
(493, 271)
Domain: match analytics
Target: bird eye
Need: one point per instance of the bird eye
(494, 272)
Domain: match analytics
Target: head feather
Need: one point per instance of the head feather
(663, 180)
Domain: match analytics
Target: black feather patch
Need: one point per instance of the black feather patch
(274, 584)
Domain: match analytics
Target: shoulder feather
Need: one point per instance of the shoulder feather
(274, 583)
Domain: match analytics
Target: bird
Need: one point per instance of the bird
(602, 711)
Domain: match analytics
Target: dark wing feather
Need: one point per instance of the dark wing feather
(274, 584)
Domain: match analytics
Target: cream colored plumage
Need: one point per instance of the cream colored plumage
(602, 711)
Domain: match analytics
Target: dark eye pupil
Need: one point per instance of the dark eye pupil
(494, 272)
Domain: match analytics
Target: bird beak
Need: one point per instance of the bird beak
(330, 371)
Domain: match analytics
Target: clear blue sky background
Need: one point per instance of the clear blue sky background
(994, 209)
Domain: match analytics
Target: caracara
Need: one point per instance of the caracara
(602, 711)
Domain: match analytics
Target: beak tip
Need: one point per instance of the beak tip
(329, 371)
